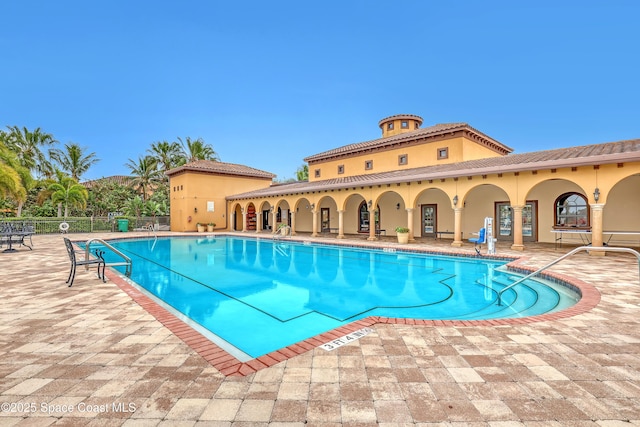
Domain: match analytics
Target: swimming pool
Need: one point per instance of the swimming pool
(259, 295)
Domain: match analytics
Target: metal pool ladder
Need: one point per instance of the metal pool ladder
(568, 254)
(126, 260)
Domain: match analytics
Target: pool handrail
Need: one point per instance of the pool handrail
(127, 261)
(568, 254)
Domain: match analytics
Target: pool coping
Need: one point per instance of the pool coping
(228, 365)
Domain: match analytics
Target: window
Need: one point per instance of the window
(340, 169)
(317, 173)
(443, 153)
(390, 126)
(403, 159)
(404, 124)
(368, 165)
(363, 218)
(416, 125)
(572, 210)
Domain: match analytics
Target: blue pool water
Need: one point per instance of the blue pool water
(261, 295)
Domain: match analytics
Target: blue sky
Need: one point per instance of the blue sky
(269, 83)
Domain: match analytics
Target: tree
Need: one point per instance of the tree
(168, 155)
(146, 175)
(107, 196)
(197, 150)
(73, 160)
(28, 147)
(12, 174)
(302, 174)
(134, 207)
(69, 193)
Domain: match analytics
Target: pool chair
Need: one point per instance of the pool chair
(478, 241)
(75, 262)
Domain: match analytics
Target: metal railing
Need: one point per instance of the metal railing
(568, 254)
(94, 224)
(126, 262)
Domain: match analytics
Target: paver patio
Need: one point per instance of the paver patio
(91, 355)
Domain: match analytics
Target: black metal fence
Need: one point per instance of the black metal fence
(86, 224)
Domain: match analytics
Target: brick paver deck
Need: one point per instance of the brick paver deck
(93, 355)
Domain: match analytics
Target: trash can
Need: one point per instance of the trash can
(123, 225)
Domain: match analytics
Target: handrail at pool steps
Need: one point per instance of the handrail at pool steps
(127, 261)
(568, 254)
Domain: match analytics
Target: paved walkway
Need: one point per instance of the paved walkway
(90, 355)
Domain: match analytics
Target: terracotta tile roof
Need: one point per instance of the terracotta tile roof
(436, 130)
(598, 154)
(210, 166)
(119, 179)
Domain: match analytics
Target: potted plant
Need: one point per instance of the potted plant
(283, 228)
(200, 227)
(403, 234)
(210, 226)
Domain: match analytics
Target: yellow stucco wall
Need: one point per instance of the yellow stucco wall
(425, 154)
(190, 191)
(619, 187)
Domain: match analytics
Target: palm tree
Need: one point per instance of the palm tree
(302, 174)
(12, 174)
(167, 154)
(28, 147)
(45, 193)
(73, 160)
(197, 150)
(146, 175)
(69, 192)
(134, 207)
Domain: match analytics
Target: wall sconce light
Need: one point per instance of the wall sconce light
(398, 206)
(241, 210)
(455, 200)
(271, 209)
(313, 205)
(369, 203)
(195, 210)
(596, 194)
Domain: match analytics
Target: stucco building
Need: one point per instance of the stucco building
(439, 181)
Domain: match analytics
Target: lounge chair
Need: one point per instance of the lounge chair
(478, 241)
(75, 262)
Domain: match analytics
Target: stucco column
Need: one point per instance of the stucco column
(314, 227)
(517, 228)
(410, 224)
(596, 229)
(258, 222)
(457, 227)
(372, 225)
(274, 227)
(244, 221)
(293, 223)
(340, 225)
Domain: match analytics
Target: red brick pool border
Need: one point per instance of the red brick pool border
(228, 365)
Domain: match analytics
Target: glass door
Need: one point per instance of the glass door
(504, 213)
(325, 224)
(429, 226)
